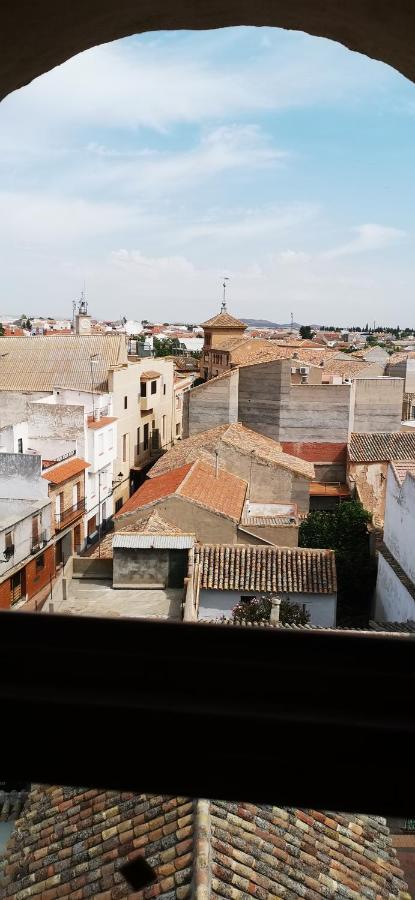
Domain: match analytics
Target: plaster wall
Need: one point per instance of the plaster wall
(216, 403)
(208, 527)
(140, 567)
(58, 421)
(10, 436)
(399, 531)
(322, 607)
(264, 389)
(376, 404)
(266, 483)
(280, 535)
(393, 602)
(370, 482)
(20, 477)
(316, 413)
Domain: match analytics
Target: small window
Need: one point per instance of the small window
(143, 389)
(154, 387)
(92, 525)
(124, 447)
(110, 438)
(118, 504)
(40, 562)
(164, 389)
(20, 445)
(164, 428)
(146, 430)
(177, 429)
(125, 402)
(138, 440)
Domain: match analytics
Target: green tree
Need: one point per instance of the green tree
(306, 333)
(345, 530)
(167, 346)
(259, 610)
(1, 329)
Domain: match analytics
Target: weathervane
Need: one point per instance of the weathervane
(224, 285)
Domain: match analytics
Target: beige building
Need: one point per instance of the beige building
(93, 371)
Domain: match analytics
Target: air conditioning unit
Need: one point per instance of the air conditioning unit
(304, 370)
(293, 370)
(347, 381)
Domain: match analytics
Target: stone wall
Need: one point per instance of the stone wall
(316, 413)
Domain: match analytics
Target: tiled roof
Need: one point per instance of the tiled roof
(262, 568)
(149, 375)
(42, 363)
(223, 493)
(67, 470)
(101, 423)
(223, 320)
(270, 852)
(152, 524)
(407, 627)
(402, 469)
(267, 351)
(198, 482)
(74, 843)
(317, 452)
(228, 343)
(242, 439)
(154, 489)
(346, 367)
(381, 446)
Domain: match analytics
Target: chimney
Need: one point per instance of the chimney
(275, 611)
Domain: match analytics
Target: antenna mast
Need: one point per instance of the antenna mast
(224, 285)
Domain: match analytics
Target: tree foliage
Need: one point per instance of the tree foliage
(167, 346)
(345, 530)
(259, 610)
(306, 333)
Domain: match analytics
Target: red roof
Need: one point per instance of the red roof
(316, 452)
(99, 423)
(66, 470)
(155, 489)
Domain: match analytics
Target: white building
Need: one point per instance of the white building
(395, 587)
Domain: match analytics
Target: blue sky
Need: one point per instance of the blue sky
(153, 166)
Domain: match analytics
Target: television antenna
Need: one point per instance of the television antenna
(224, 285)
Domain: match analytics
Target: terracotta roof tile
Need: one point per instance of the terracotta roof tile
(403, 468)
(151, 524)
(42, 363)
(346, 367)
(262, 568)
(154, 489)
(100, 423)
(149, 375)
(67, 470)
(244, 440)
(317, 452)
(223, 320)
(74, 842)
(222, 492)
(381, 446)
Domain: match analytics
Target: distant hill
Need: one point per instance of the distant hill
(265, 323)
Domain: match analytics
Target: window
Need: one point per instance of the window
(8, 540)
(125, 402)
(138, 440)
(164, 389)
(208, 340)
(143, 389)
(146, 429)
(20, 445)
(163, 428)
(154, 387)
(92, 525)
(110, 438)
(125, 448)
(40, 562)
(177, 429)
(118, 504)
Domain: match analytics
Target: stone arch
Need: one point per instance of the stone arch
(36, 35)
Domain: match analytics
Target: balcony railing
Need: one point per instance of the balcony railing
(65, 516)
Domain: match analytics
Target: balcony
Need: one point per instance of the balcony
(70, 514)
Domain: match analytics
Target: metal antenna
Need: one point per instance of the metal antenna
(224, 285)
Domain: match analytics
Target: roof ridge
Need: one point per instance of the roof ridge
(202, 851)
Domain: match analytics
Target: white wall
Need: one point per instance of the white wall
(393, 602)
(22, 530)
(322, 607)
(399, 531)
(9, 437)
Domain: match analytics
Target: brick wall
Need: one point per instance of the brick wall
(5, 594)
(36, 579)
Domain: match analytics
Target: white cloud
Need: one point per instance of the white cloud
(293, 257)
(241, 224)
(368, 238)
(152, 268)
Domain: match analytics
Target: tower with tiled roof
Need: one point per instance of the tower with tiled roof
(219, 331)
